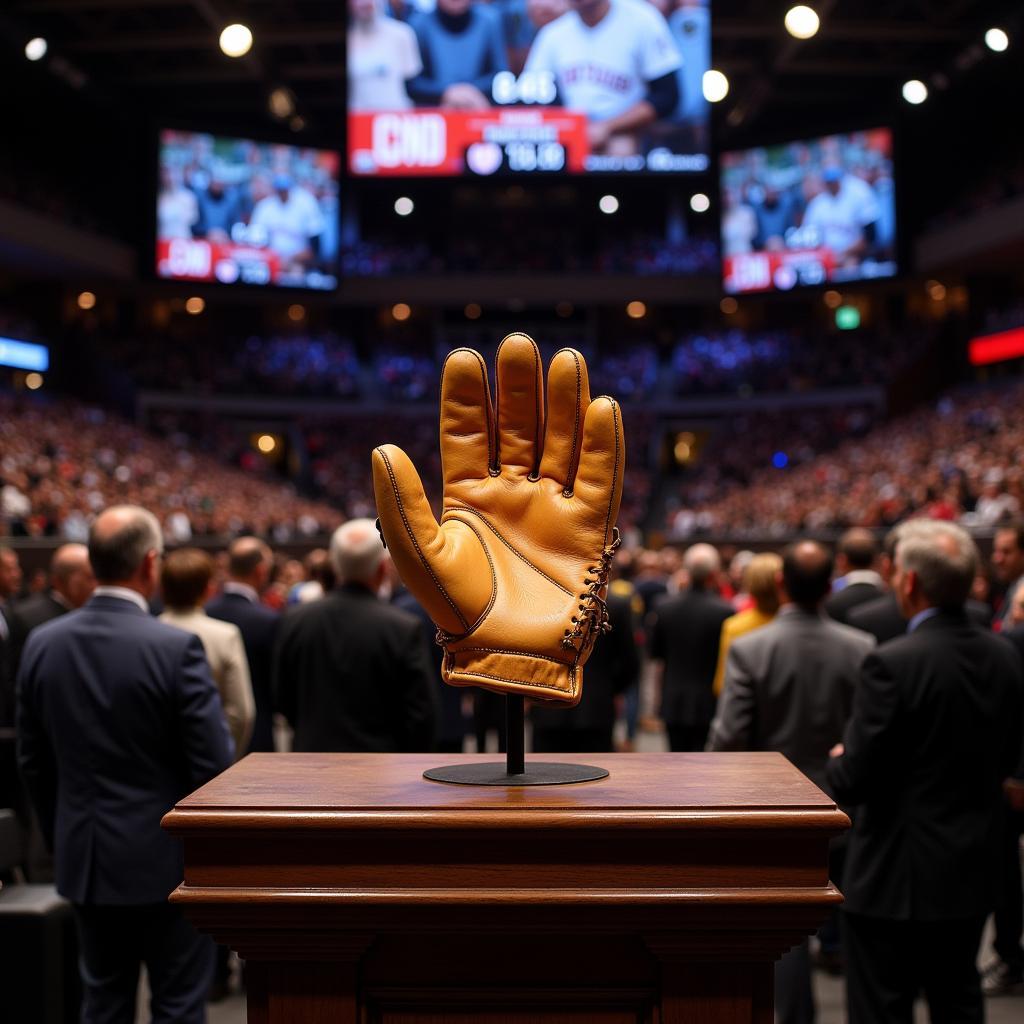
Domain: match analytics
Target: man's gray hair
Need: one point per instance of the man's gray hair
(701, 562)
(120, 539)
(943, 556)
(357, 551)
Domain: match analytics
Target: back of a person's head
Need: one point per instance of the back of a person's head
(944, 558)
(357, 552)
(119, 540)
(319, 568)
(184, 578)
(759, 580)
(807, 573)
(245, 556)
(859, 548)
(702, 564)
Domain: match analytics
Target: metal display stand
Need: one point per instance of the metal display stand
(516, 771)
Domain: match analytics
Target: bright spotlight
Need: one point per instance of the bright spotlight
(236, 40)
(35, 49)
(401, 311)
(195, 305)
(715, 85)
(802, 22)
(995, 39)
(266, 443)
(699, 203)
(915, 91)
(33, 381)
(636, 310)
(608, 204)
(86, 300)
(404, 206)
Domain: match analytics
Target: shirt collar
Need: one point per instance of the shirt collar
(123, 594)
(920, 617)
(863, 576)
(61, 600)
(242, 590)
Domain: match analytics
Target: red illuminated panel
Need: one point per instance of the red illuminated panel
(996, 348)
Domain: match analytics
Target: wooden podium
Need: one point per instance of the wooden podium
(357, 891)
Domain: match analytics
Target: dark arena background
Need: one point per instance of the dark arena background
(798, 263)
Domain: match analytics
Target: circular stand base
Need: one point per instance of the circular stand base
(538, 773)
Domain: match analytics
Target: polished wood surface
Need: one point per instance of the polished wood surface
(360, 891)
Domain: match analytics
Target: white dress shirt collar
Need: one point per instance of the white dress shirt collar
(123, 594)
(243, 590)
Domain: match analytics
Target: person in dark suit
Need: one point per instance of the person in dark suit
(859, 580)
(934, 733)
(1005, 973)
(351, 672)
(789, 687)
(249, 565)
(10, 587)
(71, 585)
(119, 719)
(684, 645)
(613, 667)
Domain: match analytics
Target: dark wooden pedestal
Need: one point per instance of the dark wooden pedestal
(359, 892)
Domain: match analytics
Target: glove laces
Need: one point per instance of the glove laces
(593, 620)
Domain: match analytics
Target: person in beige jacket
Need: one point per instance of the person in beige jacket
(186, 583)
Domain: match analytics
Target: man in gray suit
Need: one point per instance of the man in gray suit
(789, 687)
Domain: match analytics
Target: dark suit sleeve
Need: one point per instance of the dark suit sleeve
(36, 760)
(871, 736)
(733, 727)
(418, 713)
(282, 683)
(206, 742)
(625, 652)
(656, 644)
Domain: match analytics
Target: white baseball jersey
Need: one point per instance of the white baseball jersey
(841, 218)
(604, 70)
(289, 225)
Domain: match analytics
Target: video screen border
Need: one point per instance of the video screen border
(900, 259)
(149, 197)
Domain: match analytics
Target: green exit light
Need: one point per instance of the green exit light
(847, 318)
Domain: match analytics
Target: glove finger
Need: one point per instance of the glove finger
(467, 423)
(602, 461)
(568, 399)
(520, 404)
(412, 535)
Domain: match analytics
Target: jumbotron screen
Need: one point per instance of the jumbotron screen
(454, 87)
(809, 213)
(236, 211)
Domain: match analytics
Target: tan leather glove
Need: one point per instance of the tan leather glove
(514, 576)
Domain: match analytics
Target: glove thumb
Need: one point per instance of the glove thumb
(412, 535)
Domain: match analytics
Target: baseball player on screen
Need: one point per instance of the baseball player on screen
(616, 62)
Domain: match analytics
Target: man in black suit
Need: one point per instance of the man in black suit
(10, 587)
(684, 645)
(613, 667)
(934, 733)
(1008, 567)
(118, 719)
(249, 564)
(351, 672)
(71, 585)
(858, 580)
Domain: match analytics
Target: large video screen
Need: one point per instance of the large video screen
(809, 213)
(245, 212)
(453, 87)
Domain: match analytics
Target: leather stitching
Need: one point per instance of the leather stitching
(519, 682)
(415, 543)
(517, 553)
(518, 654)
(494, 588)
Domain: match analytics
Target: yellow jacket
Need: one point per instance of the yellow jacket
(732, 629)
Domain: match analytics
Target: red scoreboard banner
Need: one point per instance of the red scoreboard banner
(784, 269)
(447, 142)
(194, 259)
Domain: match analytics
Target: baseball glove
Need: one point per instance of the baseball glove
(515, 575)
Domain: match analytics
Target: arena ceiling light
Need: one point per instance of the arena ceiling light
(281, 103)
(195, 305)
(700, 203)
(86, 300)
(35, 49)
(636, 310)
(401, 311)
(236, 40)
(404, 206)
(715, 86)
(996, 39)
(608, 204)
(915, 91)
(802, 22)
(473, 311)
(728, 305)
(33, 381)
